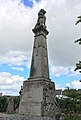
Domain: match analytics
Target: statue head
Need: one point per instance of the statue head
(42, 12)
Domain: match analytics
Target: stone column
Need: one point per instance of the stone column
(39, 63)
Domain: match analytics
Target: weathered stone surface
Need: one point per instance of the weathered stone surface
(10, 108)
(39, 63)
(39, 98)
(24, 117)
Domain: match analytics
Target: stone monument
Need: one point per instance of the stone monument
(38, 94)
(10, 107)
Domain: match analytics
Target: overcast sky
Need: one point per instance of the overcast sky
(17, 19)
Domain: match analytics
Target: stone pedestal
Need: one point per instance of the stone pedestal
(38, 98)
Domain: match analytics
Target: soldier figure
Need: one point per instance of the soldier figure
(41, 18)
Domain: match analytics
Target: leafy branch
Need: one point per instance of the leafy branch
(78, 65)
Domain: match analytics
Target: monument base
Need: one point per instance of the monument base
(38, 98)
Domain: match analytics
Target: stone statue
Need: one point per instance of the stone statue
(41, 18)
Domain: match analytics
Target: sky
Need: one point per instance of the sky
(17, 19)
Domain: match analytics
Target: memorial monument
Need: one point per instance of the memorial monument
(38, 94)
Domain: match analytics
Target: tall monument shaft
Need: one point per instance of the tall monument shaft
(38, 94)
(39, 64)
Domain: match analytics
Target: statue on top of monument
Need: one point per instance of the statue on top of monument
(41, 19)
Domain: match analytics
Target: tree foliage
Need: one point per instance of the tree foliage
(79, 20)
(78, 65)
(3, 103)
(4, 100)
(70, 102)
(16, 102)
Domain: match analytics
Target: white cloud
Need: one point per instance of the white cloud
(15, 26)
(18, 68)
(57, 71)
(73, 73)
(63, 51)
(57, 86)
(17, 20)
(9, 83)
(60, 70)
(15, 58)
(74, 85)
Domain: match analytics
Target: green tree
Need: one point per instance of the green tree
(74, 98)
(70, 102)
(16, 102)
(3, 103)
